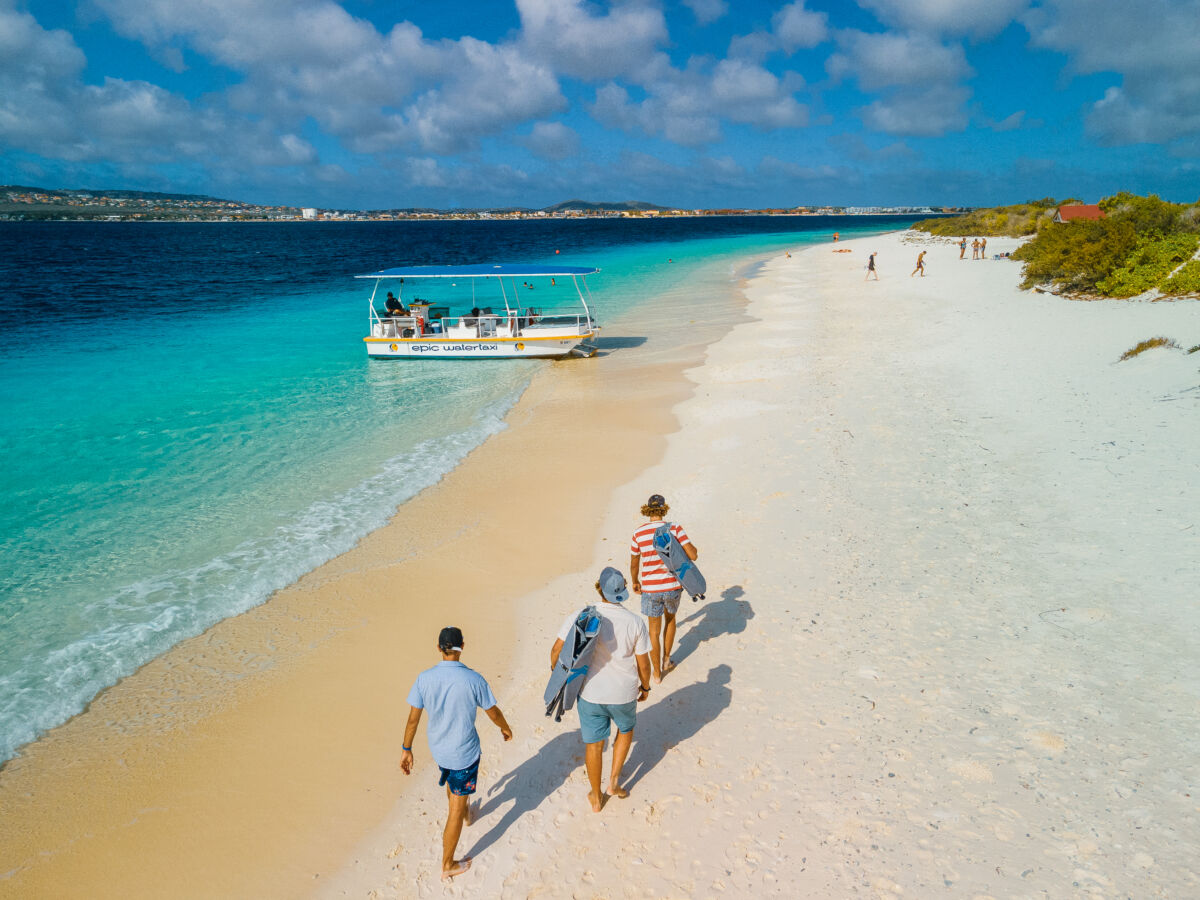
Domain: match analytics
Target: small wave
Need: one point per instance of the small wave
(146, 618)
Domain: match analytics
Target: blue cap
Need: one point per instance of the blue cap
(612, 585)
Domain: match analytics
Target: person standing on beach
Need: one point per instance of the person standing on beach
(452, 692)
(615, 682)
(962, 249)
(659, 588)
(871, 267)
(975, 249)
(983, 248)
(920, 265)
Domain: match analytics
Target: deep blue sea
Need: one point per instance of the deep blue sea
(188, 420)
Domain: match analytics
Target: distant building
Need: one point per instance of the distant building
(1078, 212)
(308, 212)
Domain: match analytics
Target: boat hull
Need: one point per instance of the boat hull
(432, 347)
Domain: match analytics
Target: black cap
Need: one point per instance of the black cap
(450, 638)
(656, 500)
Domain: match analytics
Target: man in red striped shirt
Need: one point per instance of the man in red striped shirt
(659, 588)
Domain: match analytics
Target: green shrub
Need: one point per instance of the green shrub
(1149, 344)
(1076, 256)
(1000, 221)
(1150, 261)
(1145, 214)
(1185, 281)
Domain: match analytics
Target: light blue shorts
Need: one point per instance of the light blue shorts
(594, 719)
(654, 604)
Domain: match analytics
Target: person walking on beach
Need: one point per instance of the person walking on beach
(659, 588)
(452, 692)
(871, 267)
(617, 679)
(920, 265)
(962, 249)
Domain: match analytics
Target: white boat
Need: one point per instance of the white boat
(458, 324)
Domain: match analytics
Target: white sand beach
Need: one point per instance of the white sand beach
(951, 645)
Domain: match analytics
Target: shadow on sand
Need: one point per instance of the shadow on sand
(532, 782)
(728, 615)
(606, 345)
(674, 719)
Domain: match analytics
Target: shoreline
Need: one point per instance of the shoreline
(945, 645)
(238, 752)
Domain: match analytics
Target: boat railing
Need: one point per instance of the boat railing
(528, 322)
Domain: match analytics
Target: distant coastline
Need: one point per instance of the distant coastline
(31, 204)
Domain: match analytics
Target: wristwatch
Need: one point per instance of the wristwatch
(645, 690)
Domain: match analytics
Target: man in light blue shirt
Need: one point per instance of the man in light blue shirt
(452, 692)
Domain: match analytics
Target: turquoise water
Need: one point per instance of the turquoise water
(190, 421)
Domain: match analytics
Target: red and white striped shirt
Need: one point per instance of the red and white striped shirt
(652, 571)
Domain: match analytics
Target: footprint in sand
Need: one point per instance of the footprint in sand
(972, 770)
(1048, 741)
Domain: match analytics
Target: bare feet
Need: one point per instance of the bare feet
(596, 802)
(457, 868)
(472, 812)
(616, 791)
(657, 678)
(668, 666)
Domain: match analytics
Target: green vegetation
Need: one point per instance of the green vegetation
(1142, 243)
(1149, 263)
(998, 221)
(1185, 281)
(1147, 345)
(1137, 247)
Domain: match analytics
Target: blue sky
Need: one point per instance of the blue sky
(383, 103)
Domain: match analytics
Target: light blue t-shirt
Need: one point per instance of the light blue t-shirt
(450, 692)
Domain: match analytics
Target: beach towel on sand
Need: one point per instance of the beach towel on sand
(570, 671)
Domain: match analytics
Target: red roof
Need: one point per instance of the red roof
(1082, 211)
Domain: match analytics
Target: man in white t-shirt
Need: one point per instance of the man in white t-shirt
(618, 677)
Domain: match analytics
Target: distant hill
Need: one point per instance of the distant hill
(587, 206)
(115, 194)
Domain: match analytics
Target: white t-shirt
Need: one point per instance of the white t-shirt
(612, 672)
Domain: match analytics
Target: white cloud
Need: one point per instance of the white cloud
(377, 92)
(494, 88)
(792, 28)
(796, 27)
(707, 11)
(979, 18)
(565, 35)
(687, 106)
(891, 58)
(132, 126)
(1010, 122)
(552, 140)
(927, 112)
(1151, 45)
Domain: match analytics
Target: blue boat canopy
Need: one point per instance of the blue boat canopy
(481, 270)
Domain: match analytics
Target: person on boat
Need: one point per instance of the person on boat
(473, 318)
(617, 680)
(659, 588)
(394, 307)
(452, 692)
